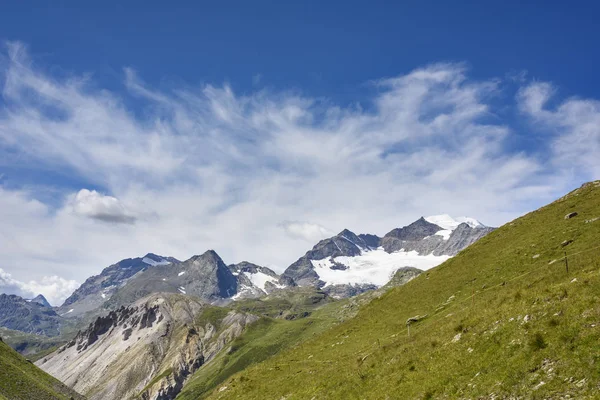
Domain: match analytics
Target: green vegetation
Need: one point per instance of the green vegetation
(21, 380)
(32, 346)
(212, 315)
(503, 318)
(287, 319)
(155, 380)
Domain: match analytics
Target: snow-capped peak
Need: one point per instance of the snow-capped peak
(449, 223)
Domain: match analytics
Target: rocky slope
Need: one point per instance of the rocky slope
(254, 280)
(41, 300)
(348, 264)
(97, 289)
(28, 316)
(146, 350)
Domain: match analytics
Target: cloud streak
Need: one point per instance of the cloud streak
(209, 168)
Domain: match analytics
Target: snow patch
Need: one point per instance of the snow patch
(103, 295)
(243, 290)
(448, 223)
(445, 234)
(181, 289)
(154, 263)
(181, 273)
(374, 267)
(260, 279)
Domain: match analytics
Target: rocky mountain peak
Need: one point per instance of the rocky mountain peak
(41, 300)
(347, 264)
(418, 230)
(99, 288)
(28, 316)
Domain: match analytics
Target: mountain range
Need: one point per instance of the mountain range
(152, 304)
(512, 315)
(343, 265)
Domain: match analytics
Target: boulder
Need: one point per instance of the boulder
(571, 215)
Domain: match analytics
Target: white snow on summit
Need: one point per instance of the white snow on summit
(153, 263)
(372, 267)
(450, 224)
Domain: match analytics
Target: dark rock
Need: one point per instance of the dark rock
(41, 300)
(403, 275)
(127, 333)
(566, 242)
(204, 276)
(19, 314)
(418, 230)
(343, 291)
(571, 215)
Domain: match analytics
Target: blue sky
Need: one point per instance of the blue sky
(259, 128)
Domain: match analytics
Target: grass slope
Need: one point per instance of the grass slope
(21, 380)
(286, 320)
(503, 320)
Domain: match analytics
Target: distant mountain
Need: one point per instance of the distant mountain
(254, 280)
(348, 264)
(99, 288)
(19, 314)
(41, 300)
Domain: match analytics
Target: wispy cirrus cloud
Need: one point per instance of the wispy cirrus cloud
(210, 168)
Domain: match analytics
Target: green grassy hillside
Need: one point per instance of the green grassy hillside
(21, 380)
(503, 318)
(286, 320)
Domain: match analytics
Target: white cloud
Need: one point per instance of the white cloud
(573, 126)
(209, 168)
(55, 289)
(94, 205)
(310, 232)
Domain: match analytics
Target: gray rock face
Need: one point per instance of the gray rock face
(343, 291)
(205, 276)
(246, 288)
(416, 231)
(146, 350)
(41, 300)
(99, 288)
(419, 237)
(403, 275)
(19, 314)
(461, 237)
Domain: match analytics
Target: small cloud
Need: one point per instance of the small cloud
(306, 231)
(92, 204)
(54, 288)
